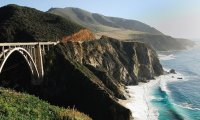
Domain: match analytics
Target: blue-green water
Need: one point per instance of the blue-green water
(179, 99)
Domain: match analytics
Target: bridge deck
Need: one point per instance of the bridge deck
(28, 43)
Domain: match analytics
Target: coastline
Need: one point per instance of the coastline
(139, 101)
(141, 96)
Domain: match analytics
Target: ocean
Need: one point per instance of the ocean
(177, 96)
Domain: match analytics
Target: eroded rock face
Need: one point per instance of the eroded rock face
(91, 75)
(126, 62)
(69, 83)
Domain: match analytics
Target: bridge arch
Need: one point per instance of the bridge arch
(27, 57)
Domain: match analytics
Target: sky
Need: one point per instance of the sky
(177, 18)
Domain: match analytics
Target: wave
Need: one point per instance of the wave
(166, 92)
(157, 99)
(187, 106)
(177, 110)
(168, 101)
(166, 57)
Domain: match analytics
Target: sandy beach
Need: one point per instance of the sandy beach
(138, 102)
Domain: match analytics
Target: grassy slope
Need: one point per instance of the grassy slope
(21, 106)
(100, 23)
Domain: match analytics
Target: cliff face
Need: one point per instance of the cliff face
(126, 62)
(90, 75)
(68, 83)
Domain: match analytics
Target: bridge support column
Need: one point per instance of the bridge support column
(39, 60)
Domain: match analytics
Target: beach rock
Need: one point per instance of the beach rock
(172, 71)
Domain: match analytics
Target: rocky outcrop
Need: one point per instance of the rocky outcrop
(91, 75)
(68, 83)
(172, 71)
(113, 85)
(126, 62)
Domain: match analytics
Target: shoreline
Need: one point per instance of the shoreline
(141, 95)
(139, 99)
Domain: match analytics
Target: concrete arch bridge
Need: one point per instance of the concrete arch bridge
(29, 54)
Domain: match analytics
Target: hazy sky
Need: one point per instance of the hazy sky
(178, 18)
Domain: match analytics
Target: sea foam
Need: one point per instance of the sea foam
(139, 101)
(166, 57)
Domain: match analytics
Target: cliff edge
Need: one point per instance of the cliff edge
(127, 62)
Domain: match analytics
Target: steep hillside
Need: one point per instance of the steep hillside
(98, 22)
(20, 106)
(91, 75)
(122, 29)
(69, 83)
(23, 24)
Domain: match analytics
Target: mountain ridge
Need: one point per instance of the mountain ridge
(122, 29)
(93, 18)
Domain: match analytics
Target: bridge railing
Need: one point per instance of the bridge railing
(28, 43)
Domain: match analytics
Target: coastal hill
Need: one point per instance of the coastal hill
(123, 29)
(89, 76)
(23, 24)
(100, 23)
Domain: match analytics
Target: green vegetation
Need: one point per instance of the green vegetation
(21, 106)
(23, 24)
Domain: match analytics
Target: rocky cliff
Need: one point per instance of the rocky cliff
(91, 75)
(69, 83)
(126, 62)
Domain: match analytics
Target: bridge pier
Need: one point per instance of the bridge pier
(39, 60)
